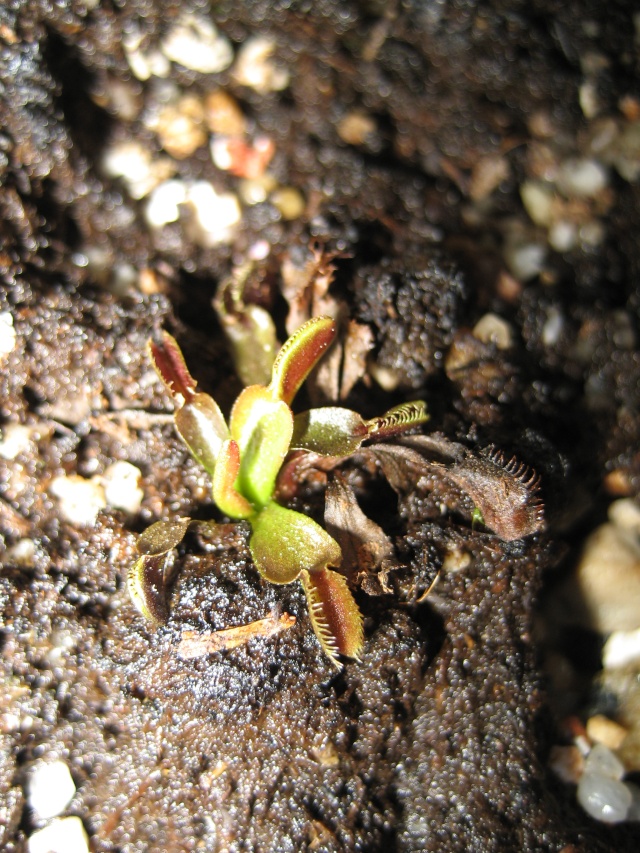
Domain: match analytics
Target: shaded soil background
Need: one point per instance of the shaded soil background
(439, 738)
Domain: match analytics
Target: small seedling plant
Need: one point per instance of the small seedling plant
(245, 457)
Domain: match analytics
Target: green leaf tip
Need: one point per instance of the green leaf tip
(299, 355)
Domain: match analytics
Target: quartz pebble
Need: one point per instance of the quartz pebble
(215, 215)
(164, 203)
(80, 500)
(605, 799)
(7, 335)
(14, 440)
(492, 329)
(132, 162)
(601, 791)
(602, 730)
(62, 835)
(621, 648)
(195, 43)
(121, 486)
(256, 69)
(608, 579)
(50, 789)
(582, 178)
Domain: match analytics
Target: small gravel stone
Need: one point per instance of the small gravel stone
(608, 580)
(121, 486)
(605, 799)
(50, 789)
(538, 199)
(256, 69)
(223, 115)
(526, 260)
(133, 163)
(492, 329)
(14, 440)
(289, 201)
(180, 127)
(582, 178)
(23, 553)
(355, 127)
(601, 760)
(164, 203)
(604, 731)
(195, 43)
(144, 63)
(62, 835)
(622, 648)
(80, 500)
(215, 215)
(7, 335)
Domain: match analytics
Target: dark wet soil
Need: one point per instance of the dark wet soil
(438, 738)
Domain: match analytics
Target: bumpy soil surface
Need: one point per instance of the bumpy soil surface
(438, 738)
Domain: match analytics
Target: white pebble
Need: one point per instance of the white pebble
(195, 43)
(621, 649)
(493, 329)
(215, 215)
(80, 500)
(63, 835)
(605, 799)
(7, 334)
(50, 789)
(625, 514)
(121, 486)
(144, 63)
(23, 553)
(256, 69)
(582, 178)
(603, 762)
(538, 199)
(526, 261)
(15, 439)
(553, 326)
(563, 235)
(164, 203)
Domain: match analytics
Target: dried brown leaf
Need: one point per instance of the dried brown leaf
(195, 644)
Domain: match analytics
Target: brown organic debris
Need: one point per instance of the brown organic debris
(195, 644)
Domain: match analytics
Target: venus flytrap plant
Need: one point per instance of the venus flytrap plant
(244, 459)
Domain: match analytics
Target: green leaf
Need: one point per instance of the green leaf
(225, 475)
(284, 542)
(398, 419)
(262, 427)
(170, 366)
(299, 355)
(145, 580)
(336, 619)
(331, 431)
(203, 429)
(252, 336)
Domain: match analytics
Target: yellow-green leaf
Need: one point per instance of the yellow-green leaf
(284, 542)
(331, 431)
(203, 429)
(299, 355)
(230, 501)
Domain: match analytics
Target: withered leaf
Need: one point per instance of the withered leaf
(366, 548)
(195, 644)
